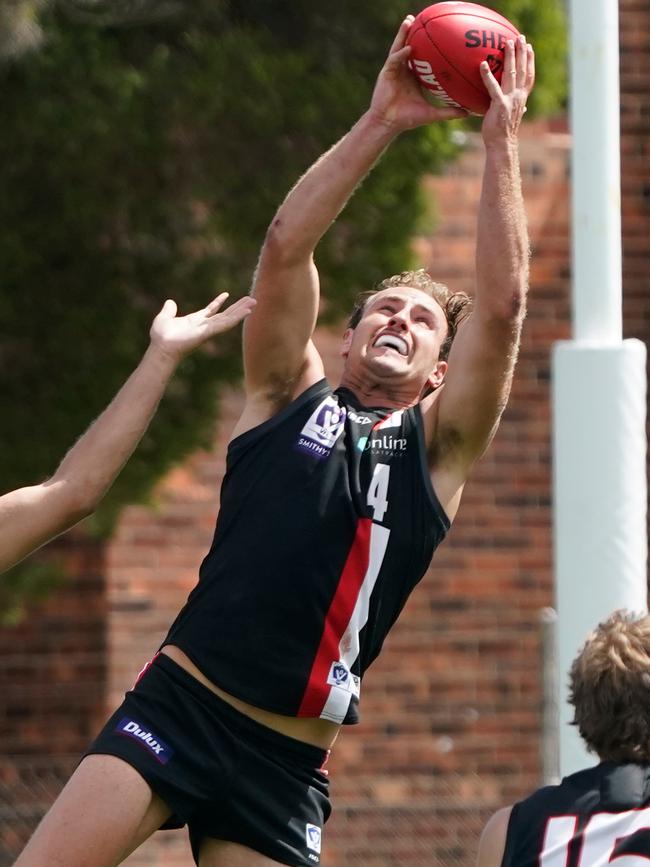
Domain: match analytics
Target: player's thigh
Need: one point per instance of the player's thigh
(222, 853)
(104, 811)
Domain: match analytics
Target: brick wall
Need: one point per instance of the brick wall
(52, 688)
(635, 157)
(451, 719)
(53, 664)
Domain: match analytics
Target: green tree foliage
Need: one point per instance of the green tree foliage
(144, 148)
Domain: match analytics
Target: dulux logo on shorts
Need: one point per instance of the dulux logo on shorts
(313, 836)
(151, 742)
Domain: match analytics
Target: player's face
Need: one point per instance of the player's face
(399, 337)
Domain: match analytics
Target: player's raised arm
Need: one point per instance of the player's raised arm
(463, 418)
(280, 360)
(31, 516)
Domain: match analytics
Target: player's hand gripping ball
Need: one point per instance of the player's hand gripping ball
(449, 41)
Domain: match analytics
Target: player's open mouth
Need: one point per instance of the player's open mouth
(393, 341)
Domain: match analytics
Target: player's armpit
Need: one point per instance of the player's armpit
(461, 418)
(278, 394)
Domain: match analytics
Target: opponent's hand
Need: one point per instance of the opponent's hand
(176, 336)
(508, 100)
(397, 99)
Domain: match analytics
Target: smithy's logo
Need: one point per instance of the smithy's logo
(151, 742)
(323, 428)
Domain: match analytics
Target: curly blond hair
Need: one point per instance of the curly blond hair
(455, 305)
(610, 689)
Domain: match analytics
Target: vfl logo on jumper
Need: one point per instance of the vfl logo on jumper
(131, 729)
(341, 676)
(323, 428)
(312, 836)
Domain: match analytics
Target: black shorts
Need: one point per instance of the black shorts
(223, 774)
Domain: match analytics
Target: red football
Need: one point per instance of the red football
(449, 40)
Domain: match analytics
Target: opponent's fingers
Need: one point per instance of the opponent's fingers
(400, 38)
(490, 82)
(246, 304)
(166, 314)
(234, 314)
(168, 310)
(215, 305)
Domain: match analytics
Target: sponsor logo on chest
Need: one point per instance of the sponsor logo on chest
(382, 442)
(359, 419)
(383, 438)
(323, 428)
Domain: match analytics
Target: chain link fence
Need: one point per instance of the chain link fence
(28, 786)
(441, 829)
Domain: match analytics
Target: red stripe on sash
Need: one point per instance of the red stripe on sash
(336, 622)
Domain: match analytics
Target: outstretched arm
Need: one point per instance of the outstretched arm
(463, 418)
(31, 516)
(280, 360)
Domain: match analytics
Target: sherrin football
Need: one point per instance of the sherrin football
(449, 41)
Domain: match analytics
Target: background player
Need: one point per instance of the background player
(600, 815)
(31, 516)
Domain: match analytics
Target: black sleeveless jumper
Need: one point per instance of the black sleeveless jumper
(327, 522)
(593, 818)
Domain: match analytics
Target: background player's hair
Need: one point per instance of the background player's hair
(455, 305)
(609, 686)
